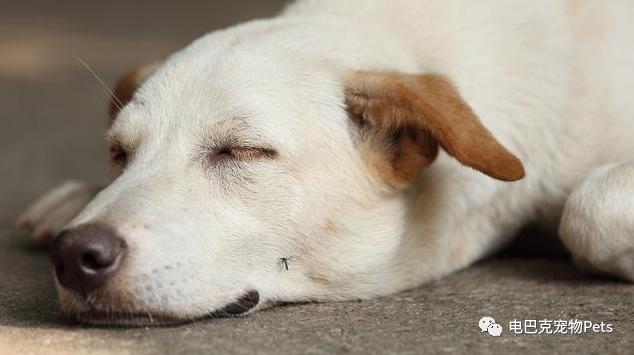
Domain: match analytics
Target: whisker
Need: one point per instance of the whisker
(115, 100)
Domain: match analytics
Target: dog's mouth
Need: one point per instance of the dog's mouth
(95, 317)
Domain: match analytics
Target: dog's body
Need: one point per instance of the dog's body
(550, 80)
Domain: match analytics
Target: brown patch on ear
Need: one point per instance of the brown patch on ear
(409, 116)
(127, 85)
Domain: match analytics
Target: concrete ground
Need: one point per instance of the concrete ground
(52, 117)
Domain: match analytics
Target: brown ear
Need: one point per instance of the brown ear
(127, 85)
(411, 115)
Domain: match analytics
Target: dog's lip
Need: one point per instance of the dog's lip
(96, 317)
(243, 304)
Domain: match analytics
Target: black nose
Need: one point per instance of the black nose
(86, 256)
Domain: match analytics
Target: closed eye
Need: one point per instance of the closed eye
(227, 154)
(119, 156)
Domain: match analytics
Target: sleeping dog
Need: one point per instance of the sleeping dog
(352, 149)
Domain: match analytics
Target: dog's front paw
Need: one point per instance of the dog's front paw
(598, 222)
(48, 215)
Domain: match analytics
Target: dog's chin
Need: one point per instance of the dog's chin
(99, 318)
(107, 316)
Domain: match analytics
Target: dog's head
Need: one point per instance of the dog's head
(244, 178)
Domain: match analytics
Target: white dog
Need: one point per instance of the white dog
(351, 149)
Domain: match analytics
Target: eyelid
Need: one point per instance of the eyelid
(119, 156)
(116, 144)
(116, 140)
(239, 154)
(252, 152)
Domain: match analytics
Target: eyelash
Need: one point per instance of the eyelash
(225, 154)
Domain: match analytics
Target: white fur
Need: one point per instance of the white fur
(552, 80)
(597, 225)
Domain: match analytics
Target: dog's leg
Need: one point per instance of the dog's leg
(598, 221)
(47, 216)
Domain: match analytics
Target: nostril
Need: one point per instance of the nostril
(92, 260)
(100, 256)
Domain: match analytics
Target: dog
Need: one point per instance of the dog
(348, 150)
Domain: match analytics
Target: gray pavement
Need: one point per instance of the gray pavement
(52, 117)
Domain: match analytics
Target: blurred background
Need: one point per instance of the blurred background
(52, 111)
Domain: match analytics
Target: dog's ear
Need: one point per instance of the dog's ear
(403, 119)
(127, 85)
